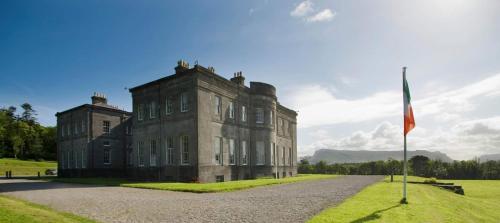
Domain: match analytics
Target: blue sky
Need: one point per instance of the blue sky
(337, 62)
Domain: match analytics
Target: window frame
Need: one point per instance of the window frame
(218, 157)
(169, 105)
(106, 127)
(140, 154)
(152, 110)
(260, 148)
(169, 155)
(243, 113)
(140, 112)
(231, 109)
(184, 102)
(232, 152)
(106, 148)
(184, 144)
(218, 105)
(153, 157)
(259, 116)
(244, 153)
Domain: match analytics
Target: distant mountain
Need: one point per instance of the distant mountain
(359, 156)
(487, 157)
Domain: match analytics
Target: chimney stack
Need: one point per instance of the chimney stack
(181, 66)
(238, 78)
(99, 98)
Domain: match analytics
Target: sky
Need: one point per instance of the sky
(338, 63)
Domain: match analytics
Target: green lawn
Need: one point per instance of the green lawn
(25, 168)
(196, 187)
(14, 210)
(380, 203)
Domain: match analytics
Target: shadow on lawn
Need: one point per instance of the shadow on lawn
(374, 215)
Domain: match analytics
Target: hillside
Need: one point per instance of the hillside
(25, 168)
(487, 157)
(359, 156)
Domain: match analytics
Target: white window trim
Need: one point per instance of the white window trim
(231, 110)
(244, 153)
(260, 156)
(184, 106)
(140, 153)
(169, 106)
(259, 116)
(233, 153)
(104, 127)
(152, 110)
(140, 112)
(243, 113)
(153, 160)
(183, 150)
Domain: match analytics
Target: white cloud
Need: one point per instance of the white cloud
(446, 120)
(302, 9)
(318, 105)
(462, 141)
(323, 16)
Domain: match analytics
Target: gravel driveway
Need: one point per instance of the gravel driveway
(295, 202)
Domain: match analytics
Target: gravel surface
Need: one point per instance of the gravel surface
(295, 202)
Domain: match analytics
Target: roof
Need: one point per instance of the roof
(96, 106)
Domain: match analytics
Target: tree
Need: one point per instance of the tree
(392, 166)
(419, 165)
(321, 167)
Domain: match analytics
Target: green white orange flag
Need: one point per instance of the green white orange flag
(408, 116)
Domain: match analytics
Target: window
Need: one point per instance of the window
(62, 130)
(271, 121)
(218, 108)
(259, 115)
(218, 150)
(61, 161)
(285, 128)
(260, 152)
(284, 156)
(128, 130)
(231, 110)
(184, 102)
(76, 128)
(68, 130)
(152, 110)
(243, 113)
(169, 106)
(152, 153)
(140, 153)
(290, 156)
(107, 156)
(107, 152)
(232, 158)
(68, 160)
(71, 158)
(84, 158)
(83, 126)
(273, 153)
(185, 149)
(281, 127)
(140, 112)
(170, 150)
(244, 155)
(77, 161)
(105, 127)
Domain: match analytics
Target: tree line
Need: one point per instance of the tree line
(417, 166)
(22, 137)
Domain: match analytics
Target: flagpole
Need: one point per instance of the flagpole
(405, 169)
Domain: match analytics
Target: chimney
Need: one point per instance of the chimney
(99, 98)
(181, 66)
(238, 78)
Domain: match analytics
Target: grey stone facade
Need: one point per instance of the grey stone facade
(195, 125)
(92, 140)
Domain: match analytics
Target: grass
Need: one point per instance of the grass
(196, 187)
(25, 168)
(14, 210)
(380, 203)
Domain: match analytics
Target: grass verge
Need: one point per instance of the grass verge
(14, 211)
(195, 187)
(380, 203)
(25, 168)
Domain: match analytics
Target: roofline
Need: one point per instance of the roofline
(286, 109)
(94, 107)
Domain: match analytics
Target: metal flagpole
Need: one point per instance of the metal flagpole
(405, 169)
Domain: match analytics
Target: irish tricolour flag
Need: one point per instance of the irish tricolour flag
(408, 119)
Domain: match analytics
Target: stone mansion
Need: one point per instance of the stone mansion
(192, 126)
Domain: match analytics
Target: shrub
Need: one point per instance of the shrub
(430, 181)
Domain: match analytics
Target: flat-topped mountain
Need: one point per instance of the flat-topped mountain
(359, 156)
